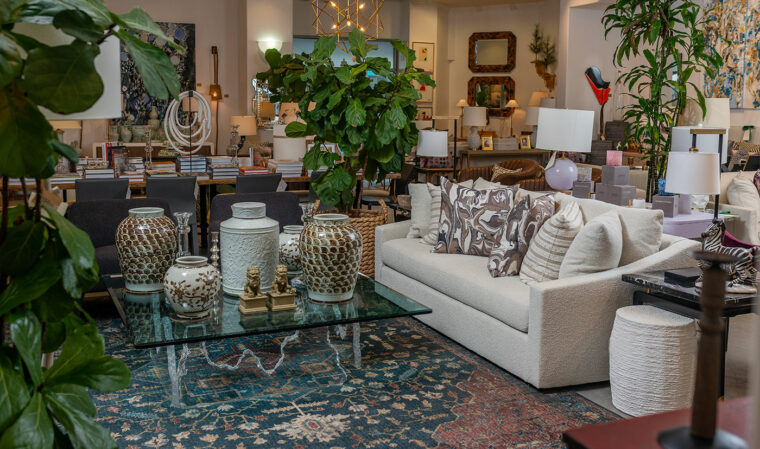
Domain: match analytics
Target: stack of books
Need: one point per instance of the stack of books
(136, 164)
(223, 171)
(63, 178)
(162, 169)
(289, 169)
(17, 181)
(191, 164)
(99, 173)
(133, 176)
(252, 170)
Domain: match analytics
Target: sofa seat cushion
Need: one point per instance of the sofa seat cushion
(463, 278)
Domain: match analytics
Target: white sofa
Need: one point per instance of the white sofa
(745, 225)
(549, 334)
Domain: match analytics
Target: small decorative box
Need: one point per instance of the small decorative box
(615, 194)
(583, 189)
(667, 204)
(616, 175)
(584, 173)
(614, 158)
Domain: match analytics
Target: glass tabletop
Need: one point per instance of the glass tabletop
(686, 291)
(151, 322)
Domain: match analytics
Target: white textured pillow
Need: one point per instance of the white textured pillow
(548, 248)
(421, 203)
(431, 238)
(742, 192)
(597, 247)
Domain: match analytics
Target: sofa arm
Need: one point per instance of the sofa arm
(385, 233)
(744, 226)
(570, 320)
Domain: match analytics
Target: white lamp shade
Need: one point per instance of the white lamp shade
(706, 143)
(535, 98)
(693, 173)
(432, 143)
(565, 130)
(512, 104)
(107, 64)
(246, 124)
(531, 115)
(279, 130)
(65, 124)
(475, 116)
(548, 103)
(462, 103)
(289, 148)
(718, 113)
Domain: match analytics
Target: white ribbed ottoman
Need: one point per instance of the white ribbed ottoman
(652, 360)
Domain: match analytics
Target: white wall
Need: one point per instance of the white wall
(519, 18)
(216, 23)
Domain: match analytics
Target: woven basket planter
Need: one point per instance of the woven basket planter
(366, 221)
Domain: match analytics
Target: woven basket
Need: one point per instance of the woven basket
(365, 221)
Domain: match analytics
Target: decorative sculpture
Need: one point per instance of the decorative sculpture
(282, 295)
(601, 89)
(252, 300)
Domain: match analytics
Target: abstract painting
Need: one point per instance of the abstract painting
(733, 28)
(136, 100)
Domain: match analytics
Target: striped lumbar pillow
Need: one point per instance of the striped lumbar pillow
(548, 247)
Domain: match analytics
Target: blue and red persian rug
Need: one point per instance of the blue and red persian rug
(416, 389)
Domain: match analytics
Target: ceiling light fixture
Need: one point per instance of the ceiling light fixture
(339, 17)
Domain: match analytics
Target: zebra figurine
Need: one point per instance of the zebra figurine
(741, 273)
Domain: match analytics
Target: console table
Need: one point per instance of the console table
(540, 156)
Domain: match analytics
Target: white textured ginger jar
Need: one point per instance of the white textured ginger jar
(191, 285)
(249, 238)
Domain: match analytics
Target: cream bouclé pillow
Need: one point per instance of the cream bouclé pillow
(421, 203)
(742, 192)
(431, 238)
(597, 247)
(548, 248)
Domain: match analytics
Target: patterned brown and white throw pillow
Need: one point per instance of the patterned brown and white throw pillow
(472, 220)
(548, 248)
(499, 171)
(523, 222)
(431, 237)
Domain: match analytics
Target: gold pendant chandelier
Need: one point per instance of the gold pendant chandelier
(340, 17)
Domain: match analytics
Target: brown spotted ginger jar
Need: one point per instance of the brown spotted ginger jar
(331, 251)
(146, 243)
(191, 286)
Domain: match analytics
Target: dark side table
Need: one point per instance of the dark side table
(682, 298)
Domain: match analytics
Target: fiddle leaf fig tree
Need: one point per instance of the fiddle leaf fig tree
(671, 38)
(370, 119)
(46, 263)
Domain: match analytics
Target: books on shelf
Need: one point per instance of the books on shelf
(99, 173)
(191, 164)
(223, 172)
(288, 168)
(252, 170)
(133, 176)
(136, 164)
(162, 173)
(63, 178)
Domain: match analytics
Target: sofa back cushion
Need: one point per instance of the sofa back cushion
(642, 228)
(548, 248)
(741, 191)
(597, 247)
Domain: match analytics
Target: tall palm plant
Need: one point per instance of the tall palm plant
(670, 35)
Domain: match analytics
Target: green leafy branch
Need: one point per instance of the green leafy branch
(369, 119)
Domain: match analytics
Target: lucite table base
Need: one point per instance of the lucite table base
(177, 368)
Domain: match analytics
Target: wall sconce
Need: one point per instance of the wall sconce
(267, 43)
(215, 90)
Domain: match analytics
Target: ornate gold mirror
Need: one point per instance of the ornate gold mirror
(497, 90)
(492, 52)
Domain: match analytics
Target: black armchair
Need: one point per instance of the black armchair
(281, 206)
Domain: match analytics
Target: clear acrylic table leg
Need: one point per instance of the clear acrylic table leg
(176, 371)
(357, 331)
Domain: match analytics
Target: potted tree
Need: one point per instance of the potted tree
(365, 107)
(46, 263)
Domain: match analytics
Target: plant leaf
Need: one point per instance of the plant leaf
(29, 286)
(355, 113)
(83, 432)
(76, 241)
(78, 24)
(154, 66)
(64, 150)
(71, 396)
(82, 345)
(33, 428)
(22, 125)
(63, 78)
(26, 332)
(138, 19)
(96, 9)
(14, 393)
(102, 374)
(21, 248)
(10, 59)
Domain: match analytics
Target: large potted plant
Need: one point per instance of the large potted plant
(365, 107)
(671, 38)
(46, 263)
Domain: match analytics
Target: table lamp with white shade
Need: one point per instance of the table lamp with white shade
(564, 130)
(512, 104)
(287, 148)
(707, 143)
(246, 126)
(474, 116)
(433, 143)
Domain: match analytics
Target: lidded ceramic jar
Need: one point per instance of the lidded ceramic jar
(191, 286)
(290, 254)
(146, 243)
(249, 238)
(331, 252)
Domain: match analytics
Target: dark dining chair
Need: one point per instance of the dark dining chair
(180, 194)
(101, 189)
(281, 206)
(258, 183)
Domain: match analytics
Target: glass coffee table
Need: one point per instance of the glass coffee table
(151, 323)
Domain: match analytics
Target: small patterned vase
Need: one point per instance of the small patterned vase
(191, 286)
(146, 243)
(290, 255)
(331, 252)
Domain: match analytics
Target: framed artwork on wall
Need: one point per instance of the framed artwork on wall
(425, 52)
(424, 112)
(426, 92)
